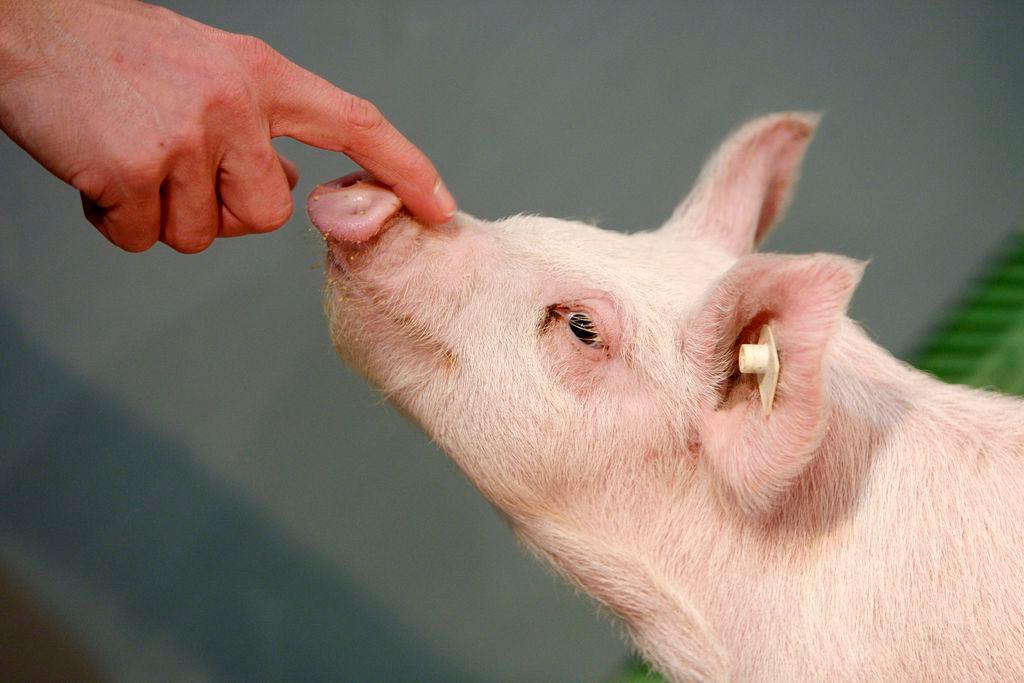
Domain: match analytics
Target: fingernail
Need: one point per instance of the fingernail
(445, 201)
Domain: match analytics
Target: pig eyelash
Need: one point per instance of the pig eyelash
(582, 327)
(580, 324)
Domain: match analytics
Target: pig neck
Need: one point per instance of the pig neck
(909, 468)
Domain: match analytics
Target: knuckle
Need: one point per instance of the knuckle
(256, 53)
(137, 176)
(232, 96)
(275, 215)
(264, 160)
(95, 182)
(362, 116)
(187, 141)
(273, 207)
(184, 135)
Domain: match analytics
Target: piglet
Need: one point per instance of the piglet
(870, 527)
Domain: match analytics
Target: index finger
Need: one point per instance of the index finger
(304, 106)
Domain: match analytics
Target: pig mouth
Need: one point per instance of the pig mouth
(336, 267)
(343, 259)
(377, 309)
(349, 259)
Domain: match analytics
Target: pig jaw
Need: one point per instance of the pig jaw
(393, 303)
(382, 266)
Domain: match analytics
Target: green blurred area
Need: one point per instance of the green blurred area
(981, 344)
(637, 671)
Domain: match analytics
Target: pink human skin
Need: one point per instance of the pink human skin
(870, 528)
(164, 124)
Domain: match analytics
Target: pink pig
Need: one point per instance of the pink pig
(870, 528)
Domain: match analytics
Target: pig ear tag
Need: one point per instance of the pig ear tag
(762, 359)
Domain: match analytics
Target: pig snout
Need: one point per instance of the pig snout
(352, 209)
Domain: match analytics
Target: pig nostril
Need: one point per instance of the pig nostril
(352, 179)
(352, 209)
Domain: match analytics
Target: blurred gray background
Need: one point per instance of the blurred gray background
(195, 488)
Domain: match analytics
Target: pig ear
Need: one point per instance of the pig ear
(745, 187)
(803, 298)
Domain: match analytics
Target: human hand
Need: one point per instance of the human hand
(164, 124)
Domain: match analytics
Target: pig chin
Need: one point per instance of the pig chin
(388, 345)
(376, 326)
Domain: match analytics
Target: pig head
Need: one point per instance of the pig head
(586, 381)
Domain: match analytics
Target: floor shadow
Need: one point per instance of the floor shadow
(93, 489)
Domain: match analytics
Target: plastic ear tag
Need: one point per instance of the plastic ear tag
(762, 359)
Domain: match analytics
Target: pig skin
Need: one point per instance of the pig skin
(870, 529)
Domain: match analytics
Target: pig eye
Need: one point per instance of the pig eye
(582, 326)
